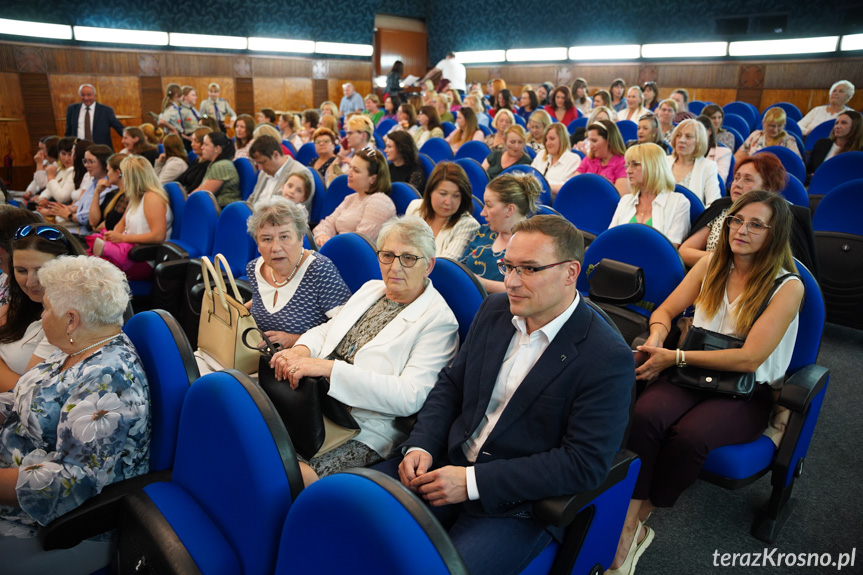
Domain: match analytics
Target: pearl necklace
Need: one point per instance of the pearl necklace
(293, 273)
(97, 344)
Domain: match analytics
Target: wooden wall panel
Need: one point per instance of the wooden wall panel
(409, 47)
(14, 135)
(800, 98)
(7, 58)
(64, 92)
(701, 75)
(320, 89)
(82, 61)
(151, 97)
(36, 96)
(298, 94)
(11, 104)
(245, 102)
(180, 64)
(814, 74)
(281, 67)
(269, 93)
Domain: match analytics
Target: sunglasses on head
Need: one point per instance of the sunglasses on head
(371, 154)
(49, 233)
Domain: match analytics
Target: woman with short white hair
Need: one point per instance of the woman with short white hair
(74, 423)
(688, 163)
(840, 94)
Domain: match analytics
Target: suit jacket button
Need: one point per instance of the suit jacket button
(466, 433)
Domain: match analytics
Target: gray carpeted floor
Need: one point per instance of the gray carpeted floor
(828, 515)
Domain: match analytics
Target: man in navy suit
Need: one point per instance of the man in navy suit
(101, 119)
(535, 405)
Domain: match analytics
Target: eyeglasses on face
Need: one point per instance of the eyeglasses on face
(526, 271)
(407, 260)
(754, 226)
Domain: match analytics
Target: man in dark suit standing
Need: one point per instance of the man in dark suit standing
(90, 120)
(535, 405)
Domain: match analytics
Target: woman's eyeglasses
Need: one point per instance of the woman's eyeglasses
(754, 226)
(407, 260)
(49, 233)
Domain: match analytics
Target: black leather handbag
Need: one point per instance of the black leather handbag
(616, 283)
(316, 422)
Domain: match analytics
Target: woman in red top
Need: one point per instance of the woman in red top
(562, 107)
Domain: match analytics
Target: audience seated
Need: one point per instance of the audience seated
(653, 201)
(761, 172)
(582, 100)
(467, 129)
(651, 95)
(274, 168)
(406, 119)
(648, 133)
(174, 161)
(617, 91)
(105, 215)
(326, 163)
(383, 350)
(605, 156)
(773, 134)
(681, 98)
(403, 160)
(147, 220)
(690, 167)
(847, 136)
(513, 152)
(717, 117)
(666, 114)
(504, 100)
(359, 134)
(543, 91)
(47, 155)
(85, 422)
(603, 99)
(365, 211)
(60, 177)
(289, 129)
(502, 122)
(509, 199)
(391, 107)
(135, 143)
(579, 136)
(244, 129)
(561, 105)
(528, 103)
(446, 206)
(475, 104)
(329, 108)
(373, 108)
(556, 161)
(96, 164)
(11, 218)
(441, 103)
(310, 122)
(536, 126)
(674, 428)
(191, 179)
(840, 94)
(221, 177)
(351, 101)
(22, 338)
(154, 134)
(634, 105)
(719, 154)
(266, 116)
(299, 188)
(429, 126)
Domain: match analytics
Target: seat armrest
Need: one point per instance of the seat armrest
(144, 252)
(802, 387)
(97, 515)
(172, 270)
(561, 511)
(245, 289)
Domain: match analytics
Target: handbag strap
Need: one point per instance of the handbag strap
(220, 259)
(269, 349)
(207, 269)
(776, 284)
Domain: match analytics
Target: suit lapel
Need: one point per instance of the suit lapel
(498, 339)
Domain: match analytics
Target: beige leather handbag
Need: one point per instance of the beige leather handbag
(224, 319)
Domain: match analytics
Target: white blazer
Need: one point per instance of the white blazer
(393, 373)
(622, 115)
(722, 157)
(670, 214)
(704, 181)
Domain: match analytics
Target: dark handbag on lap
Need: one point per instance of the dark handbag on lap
(729, 384)
(616, 283)
(316, 422)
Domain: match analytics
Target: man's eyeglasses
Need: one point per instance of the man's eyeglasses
(407, 260)
(754, 226)
(49, 233)
(526, 271)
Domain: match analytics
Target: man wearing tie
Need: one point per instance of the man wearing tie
(90, 120)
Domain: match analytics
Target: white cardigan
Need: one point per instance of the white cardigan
(624, 113)
(450, 242)
(722, 157)
(704, 181)
(559, 173)
(393, 373)
(670, 214)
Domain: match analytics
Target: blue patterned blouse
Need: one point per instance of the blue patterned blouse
(305, 302)
(71, 433)
(480, 258)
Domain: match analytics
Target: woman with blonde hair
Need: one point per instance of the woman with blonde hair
(289, 126)
(536, 126)
(690, 167)
(773, 134)
(154, 134)
(474, 102)
(606, 155)
(634, 105)
(173, 161)
(147, 219)
(557, 162)
(513, 152)
(503, 120)
(467, 129)
(653, 201)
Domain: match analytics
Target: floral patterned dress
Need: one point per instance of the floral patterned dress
(71, 433)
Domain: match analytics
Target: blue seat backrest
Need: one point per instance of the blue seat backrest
(355, 257)
(379, 142)
(232, 240)
(841, 209)
(795, 193)
(461, 290)
(478, 206)
(337, 191)
(792, 162)
(290, 147)
(178, 205)
(477, 176)
(836, 171)
(642, 246)
(745, 111)
(811, 322)
(520, 121)
(200, 215)
(448, 128)
(545, 196)
(543, 210)
(248, 176)
(402, 195)
(696, 106)
(479, 151)
(576, 124)
(530, 152)
(487, 130)
(628, 130)
(792, 127)
(384, 126)
(738, 137)
(737, 122)
(427, 164)
(249, 499)
(696, 208)
(822, 130)
(171, 368)
(318, 198)
(306, 153)
(588, 201)
(437, 149)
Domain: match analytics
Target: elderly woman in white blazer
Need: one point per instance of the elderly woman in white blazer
(688, 164)
(653, 201)
(382, 352)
